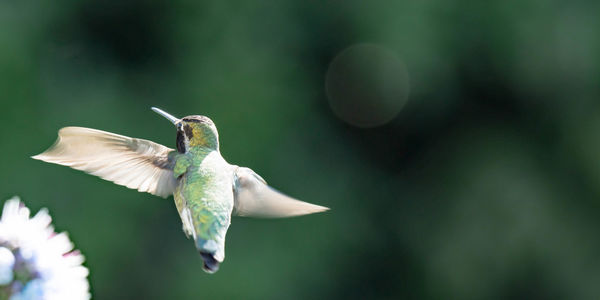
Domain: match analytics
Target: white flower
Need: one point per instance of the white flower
(36, 262)
(7, 262)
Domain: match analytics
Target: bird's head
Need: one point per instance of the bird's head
(193, 131)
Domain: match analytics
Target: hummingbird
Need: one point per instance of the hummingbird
(207, 189)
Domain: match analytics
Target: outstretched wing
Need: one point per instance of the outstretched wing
(254, 198)
(135, 163)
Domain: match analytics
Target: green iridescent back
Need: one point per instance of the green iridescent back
(204, 195)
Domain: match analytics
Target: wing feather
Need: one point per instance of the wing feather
(254, 198)
(135, 163)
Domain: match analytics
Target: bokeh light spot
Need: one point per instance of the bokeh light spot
(367, 85)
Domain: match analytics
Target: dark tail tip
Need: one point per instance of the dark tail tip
(211, 265)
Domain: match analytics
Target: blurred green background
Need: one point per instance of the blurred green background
(486, 185)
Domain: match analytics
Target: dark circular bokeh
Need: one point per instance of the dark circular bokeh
(367, 85)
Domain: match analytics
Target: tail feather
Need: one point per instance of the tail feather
(211, 265)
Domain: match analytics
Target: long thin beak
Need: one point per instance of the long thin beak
(166, 115)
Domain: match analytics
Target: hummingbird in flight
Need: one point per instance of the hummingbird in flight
(207, 189)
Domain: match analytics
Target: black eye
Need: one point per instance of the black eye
(180, 142)
(189, 132)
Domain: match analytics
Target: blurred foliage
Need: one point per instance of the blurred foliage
(485, 186)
